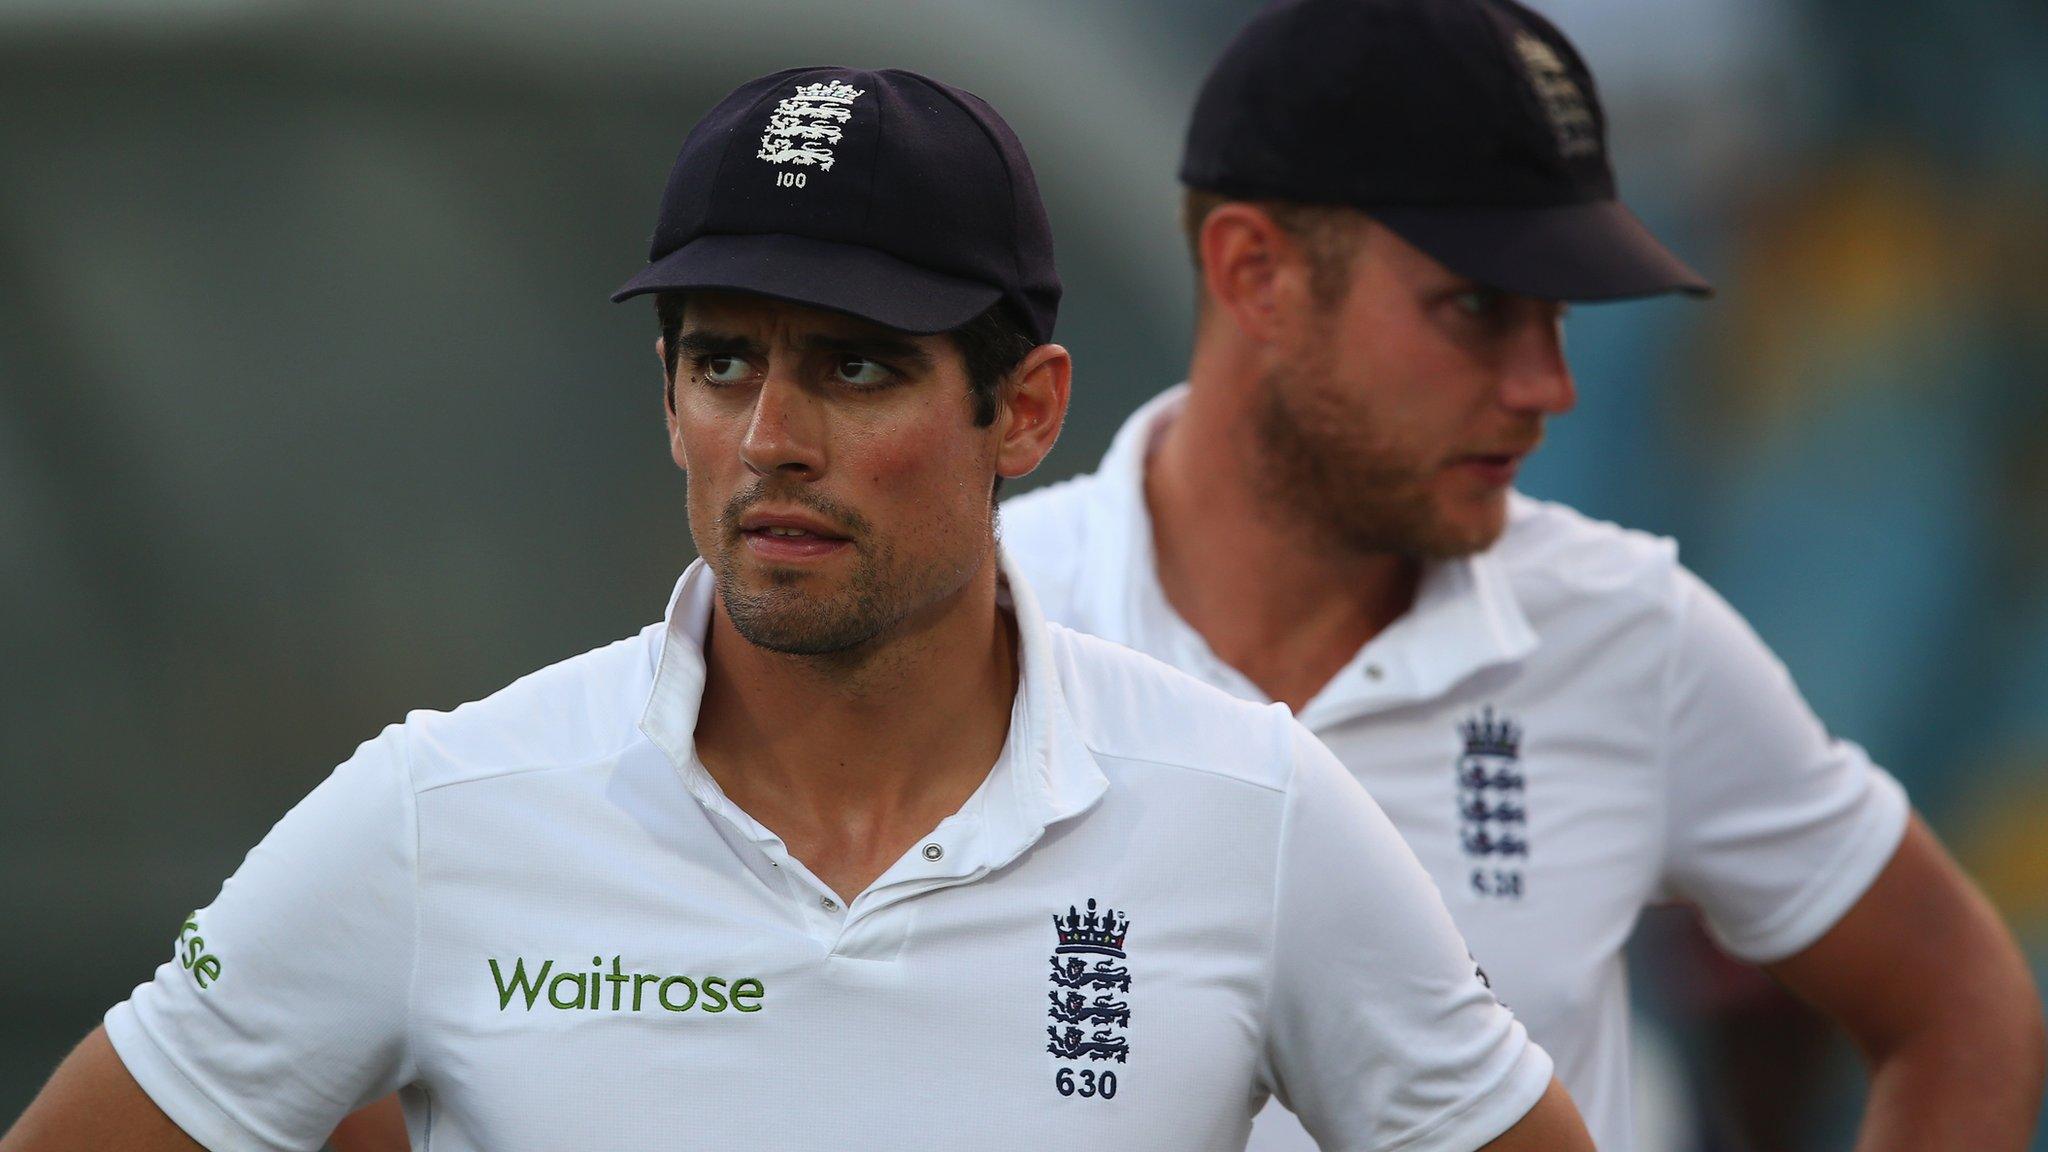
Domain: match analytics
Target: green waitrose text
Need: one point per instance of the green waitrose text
(629, 991)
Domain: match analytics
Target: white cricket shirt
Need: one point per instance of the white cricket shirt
(540, 920)
(1566, 727)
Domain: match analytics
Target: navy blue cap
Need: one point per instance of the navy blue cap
(885, 195)
(1470, 128)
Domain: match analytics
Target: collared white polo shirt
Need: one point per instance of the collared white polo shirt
(539, 919)
(1565, 727)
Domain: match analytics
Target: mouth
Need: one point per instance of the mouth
(1495, 469)
(790, 537)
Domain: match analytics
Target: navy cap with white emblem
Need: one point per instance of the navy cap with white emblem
(1470, 128)
(882, 194)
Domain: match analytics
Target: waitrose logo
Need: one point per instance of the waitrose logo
(618, 990)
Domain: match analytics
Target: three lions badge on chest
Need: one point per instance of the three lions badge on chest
(1091, 1012)
(1493, 817)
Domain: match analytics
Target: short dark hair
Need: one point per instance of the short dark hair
(991, 345)
(1328, 234)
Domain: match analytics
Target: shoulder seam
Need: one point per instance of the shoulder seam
(1186, 767)
(1272, 957)
(499, 773)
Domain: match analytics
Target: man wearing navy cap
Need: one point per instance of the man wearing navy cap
(1389, 203)
(852, 850)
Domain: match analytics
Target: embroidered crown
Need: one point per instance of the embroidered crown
(1485, 736)
(834, 91)
(1093, 932)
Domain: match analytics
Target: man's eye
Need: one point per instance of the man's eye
(863, 373)
(722, 369)
(1479, 303)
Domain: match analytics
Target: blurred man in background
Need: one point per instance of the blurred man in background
(1388, 204)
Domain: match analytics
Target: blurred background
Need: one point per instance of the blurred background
(312, 409)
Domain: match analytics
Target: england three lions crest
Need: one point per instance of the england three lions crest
(1493, 817)
(1571, 118)
(1089, 999)
(804, 127)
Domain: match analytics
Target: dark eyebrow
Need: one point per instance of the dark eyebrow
(704, 342)
(907, 355)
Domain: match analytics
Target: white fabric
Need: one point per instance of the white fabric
(1662, 751)
(391, 933)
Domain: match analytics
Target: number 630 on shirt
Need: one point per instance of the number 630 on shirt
(1086, 1082)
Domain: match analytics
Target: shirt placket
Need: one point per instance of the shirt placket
(944, 858)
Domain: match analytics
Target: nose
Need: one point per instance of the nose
(785, 435)
(1536, 378)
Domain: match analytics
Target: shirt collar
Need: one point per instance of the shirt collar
(1465, 617)
(1044, 774)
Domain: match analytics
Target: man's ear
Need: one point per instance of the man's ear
(1251, 267)
(1030, 408)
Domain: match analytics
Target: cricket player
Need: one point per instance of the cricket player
(1389, 203)
(852, 850)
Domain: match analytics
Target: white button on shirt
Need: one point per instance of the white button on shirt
(1565, 727)
(541, 921)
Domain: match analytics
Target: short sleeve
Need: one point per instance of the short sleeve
(1776, 828)
(1381, 1031)
(284, 1005)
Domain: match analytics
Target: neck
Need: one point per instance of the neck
(851, 757)
(1271, 598)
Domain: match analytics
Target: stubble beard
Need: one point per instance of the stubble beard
(783, 617)
(1345, 480)
(787, 613)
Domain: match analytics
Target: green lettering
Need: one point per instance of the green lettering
(749, 988)
(661, 993)
(617, 980)
(191, 955)
(704, 994)
(555, 985)
(519, 982)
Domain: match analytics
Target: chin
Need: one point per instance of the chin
(1471, 528)
(801, 625)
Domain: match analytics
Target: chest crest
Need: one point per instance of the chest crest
(1090, 1009)
(1493, 814)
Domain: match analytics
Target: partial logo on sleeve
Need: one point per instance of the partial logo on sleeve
(193, 957)
(1090, 1009)
(1493, 819)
